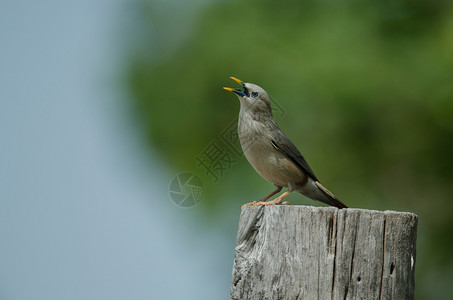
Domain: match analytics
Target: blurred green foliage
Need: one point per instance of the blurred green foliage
(367, 90)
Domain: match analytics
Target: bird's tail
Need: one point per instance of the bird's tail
(327, 197)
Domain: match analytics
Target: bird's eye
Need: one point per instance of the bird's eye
(254, 94)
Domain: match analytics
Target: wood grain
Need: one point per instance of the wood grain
(305, 252)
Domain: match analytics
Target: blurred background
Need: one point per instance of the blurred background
(120, 173)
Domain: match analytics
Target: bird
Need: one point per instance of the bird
(271, 153)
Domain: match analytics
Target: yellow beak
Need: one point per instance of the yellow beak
(230, 89)
(237, 80)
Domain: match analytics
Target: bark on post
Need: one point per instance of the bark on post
(304, 252)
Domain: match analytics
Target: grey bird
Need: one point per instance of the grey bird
(271, 153)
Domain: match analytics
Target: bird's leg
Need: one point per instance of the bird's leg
(276, 201)
(277, 190)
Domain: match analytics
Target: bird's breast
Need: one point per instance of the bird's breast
(270, 163)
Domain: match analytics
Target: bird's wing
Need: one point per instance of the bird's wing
(282, 143)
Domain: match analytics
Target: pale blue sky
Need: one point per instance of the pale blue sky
(84, 212)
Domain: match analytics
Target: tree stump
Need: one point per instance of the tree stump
(305, 252)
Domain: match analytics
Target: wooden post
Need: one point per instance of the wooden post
(305, 252)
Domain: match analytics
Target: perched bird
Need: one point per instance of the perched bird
(271, 153)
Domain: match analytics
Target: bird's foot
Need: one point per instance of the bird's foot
(276, 201)
(249, 204)
(265, 203)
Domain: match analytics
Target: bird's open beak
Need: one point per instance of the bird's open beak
(238, 92)
(237, 80)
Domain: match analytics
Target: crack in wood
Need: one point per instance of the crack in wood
(291, 252)
(383, 256)
(334, 272)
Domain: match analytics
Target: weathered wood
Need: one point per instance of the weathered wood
(304, 252)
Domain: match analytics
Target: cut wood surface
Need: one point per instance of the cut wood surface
(305, 252)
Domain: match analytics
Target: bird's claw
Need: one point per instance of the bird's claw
(248, 204)
(264, 203)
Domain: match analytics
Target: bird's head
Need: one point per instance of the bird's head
(253, 98)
